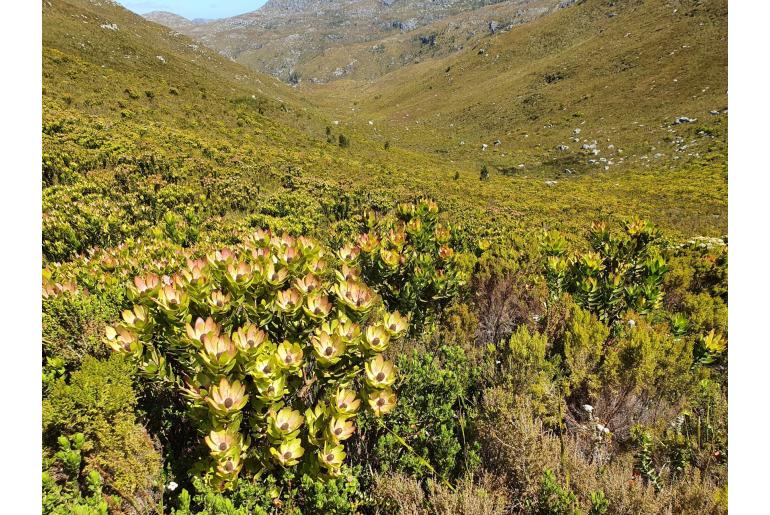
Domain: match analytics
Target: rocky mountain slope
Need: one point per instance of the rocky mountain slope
(324, 40)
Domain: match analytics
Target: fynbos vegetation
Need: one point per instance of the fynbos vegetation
(257, 303)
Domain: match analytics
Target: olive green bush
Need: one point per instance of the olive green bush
(98, 402)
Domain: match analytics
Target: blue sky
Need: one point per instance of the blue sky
(194, 8)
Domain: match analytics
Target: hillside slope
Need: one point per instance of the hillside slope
(614, 77)
(323, 40)
(131, 108)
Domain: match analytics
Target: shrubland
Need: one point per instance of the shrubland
(240, 316)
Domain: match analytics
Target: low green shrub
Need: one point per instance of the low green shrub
(98, 402)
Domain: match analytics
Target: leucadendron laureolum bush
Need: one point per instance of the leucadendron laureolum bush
(412, 258)
(276, 345)
(620, 272)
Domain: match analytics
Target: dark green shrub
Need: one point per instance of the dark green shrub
(73, 323)
(67, 489)
(433, 417)
(554, 498)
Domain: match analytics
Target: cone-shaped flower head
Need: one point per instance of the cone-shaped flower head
(349, 273)
(147, 285)
(271, 390)
(397, 236)
(346, 403)
(414, 226)
(284, 423)
(427, 205)
(390, 258)
(288, 301)
(349, 331)
(220, 257)
(224, 441)
(349, 253)
(230, 466)
(316, 265)
(288, 453)
(445, 252)
(317, 306)
(196, 273)
(249, 339)
(226, 398)
(355, 295)
(122, 339)
(443, 234)
(289, 355)
(328, 348)
(218, 352)
(331, 457)
(376, 338)
(340, 429)
(307, 284)
(261, 238)
(200, 329)
(380, 372)
(368, 242)
(239, 274)
(288, 256)
(274, 277)
(396, 324)
(264, 367)
(218, 301)
(382, 401)
(307, 245)
(137, 318)
(172, 300)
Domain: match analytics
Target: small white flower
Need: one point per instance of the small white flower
(606, 430)
(172, 486)
(601, 428)
(588, 408)
(632, 323)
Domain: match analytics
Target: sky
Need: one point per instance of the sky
(191, 9)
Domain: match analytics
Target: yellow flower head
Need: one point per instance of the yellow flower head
(317, 306)
(288, 301)
(288, 452)
(328, 348)
(380, 373)
(376, 338)
(382, 401)
(307, 284)
(346, 403)
(340, 429)
(226, 397)
(331, 457)
(200, 329)
(218, 352)
(122, 339)
(249, 338)
(289, 355)
(395, 323)
(284, 423)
